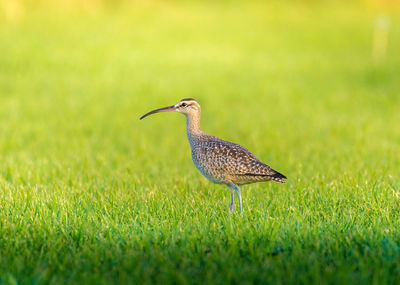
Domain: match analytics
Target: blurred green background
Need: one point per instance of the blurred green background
(90, 194)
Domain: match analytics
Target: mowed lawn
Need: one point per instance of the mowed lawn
(90, 194)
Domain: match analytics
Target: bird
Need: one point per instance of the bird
(220, 161)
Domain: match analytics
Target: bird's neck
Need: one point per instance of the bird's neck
(193, 128)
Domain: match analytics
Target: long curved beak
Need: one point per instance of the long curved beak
(165, 109)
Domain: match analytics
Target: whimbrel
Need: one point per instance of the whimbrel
(220, 161)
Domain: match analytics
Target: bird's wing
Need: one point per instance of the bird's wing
(229, 158)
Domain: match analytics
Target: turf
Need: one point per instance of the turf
(90, 194)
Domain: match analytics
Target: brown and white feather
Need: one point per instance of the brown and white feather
(226, 162)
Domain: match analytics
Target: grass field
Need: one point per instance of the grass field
(90, 194)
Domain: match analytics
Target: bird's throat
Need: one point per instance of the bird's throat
(193, 128)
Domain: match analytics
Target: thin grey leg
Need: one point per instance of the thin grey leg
(232, 204)
(238, 195)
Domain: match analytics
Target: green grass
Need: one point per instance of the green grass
(90, 194)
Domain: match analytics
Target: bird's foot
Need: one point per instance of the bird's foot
(231, 205)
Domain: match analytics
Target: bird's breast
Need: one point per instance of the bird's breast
(207, 165)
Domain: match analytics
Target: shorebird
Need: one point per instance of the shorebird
(220, 161)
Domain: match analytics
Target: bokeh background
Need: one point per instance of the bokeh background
(91, 194)
(298, 72)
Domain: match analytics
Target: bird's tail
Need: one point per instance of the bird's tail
(275, 176)
(278, 177)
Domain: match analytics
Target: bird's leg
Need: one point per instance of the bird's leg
(239, 198)
(232, 204)
(238, 195)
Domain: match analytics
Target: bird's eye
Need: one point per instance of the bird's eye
(183, 105)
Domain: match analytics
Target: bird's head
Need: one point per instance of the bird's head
(187, 106)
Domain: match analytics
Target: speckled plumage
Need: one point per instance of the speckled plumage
(218, 160)
(225, 162)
